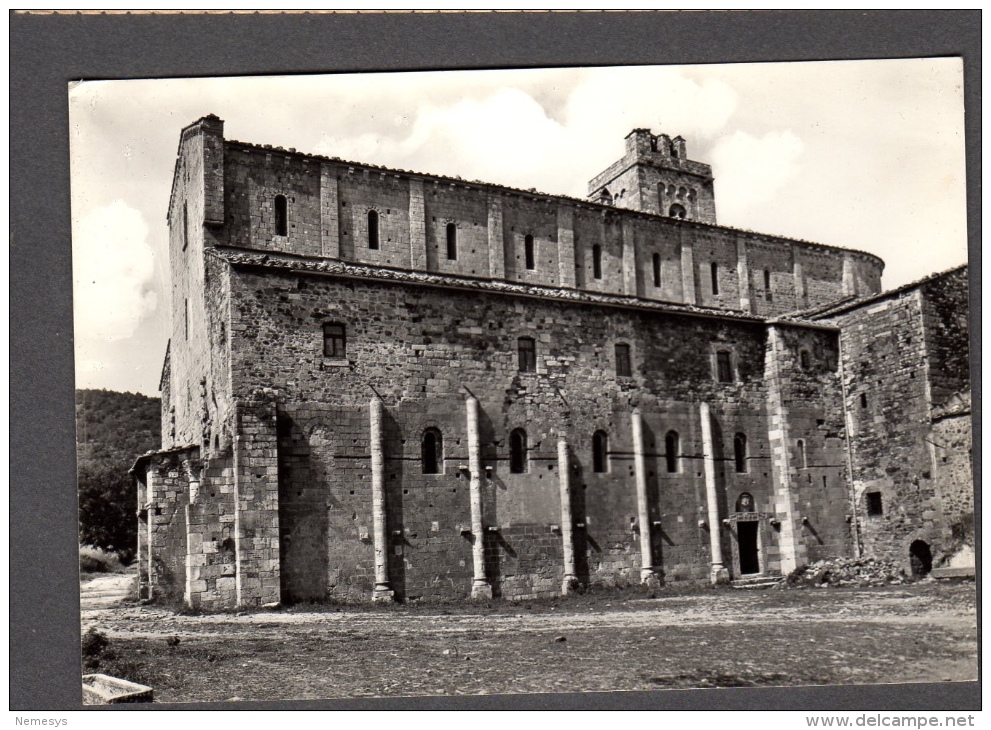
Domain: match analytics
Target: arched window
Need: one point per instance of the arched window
(623, 365)
(373, 229)
(517, 451)
(605, 197)
(657, 269)
(714, 273)
(600, 452)
(677, 211)
(531, 262)
(526, 349)
(597, 261)
(672, 445)
(432, 451)
(281, 216)
(452, 242)
(805, 359)
(740, 453)
(803, 458)
(767, 285)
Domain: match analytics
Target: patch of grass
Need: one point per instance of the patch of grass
(95, 560)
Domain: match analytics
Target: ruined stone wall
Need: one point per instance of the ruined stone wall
(888, 412)
(945, 311)
(422, 350)
(953, 472)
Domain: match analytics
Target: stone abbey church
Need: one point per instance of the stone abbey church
(386, 385)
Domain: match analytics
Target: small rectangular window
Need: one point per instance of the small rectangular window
(874, 506)
(863, 400)
(623, 367)
(334, 341)
(724, 367)
(527, 355)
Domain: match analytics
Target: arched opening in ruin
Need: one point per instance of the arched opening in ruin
(677, 211)
(921, 558)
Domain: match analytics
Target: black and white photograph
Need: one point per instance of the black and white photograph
(548, 380)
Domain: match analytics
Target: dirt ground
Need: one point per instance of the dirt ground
(607, 640)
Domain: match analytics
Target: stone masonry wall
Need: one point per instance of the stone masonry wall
(329, 202)
(422, 350)
(888, 412)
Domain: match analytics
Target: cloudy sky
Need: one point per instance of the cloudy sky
(863, 154)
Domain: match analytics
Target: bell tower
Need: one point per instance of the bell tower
(656, 176)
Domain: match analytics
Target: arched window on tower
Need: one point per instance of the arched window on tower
(740, 453)
(605, 197)
(452, 242)
(672, 445)
(657, 270)
(281, 216)
(597, 261)
(373, 229)
(803, 458)
(531, 259)
(768, 295)
(600, 452)
(714, 275)
(677, 211)
(517, 451)
(432, 451)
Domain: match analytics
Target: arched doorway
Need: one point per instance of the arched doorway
(921, 558)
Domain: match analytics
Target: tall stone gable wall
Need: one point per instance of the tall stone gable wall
(423, 349)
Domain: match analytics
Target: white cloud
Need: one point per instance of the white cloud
(751, 171)
(113, 269)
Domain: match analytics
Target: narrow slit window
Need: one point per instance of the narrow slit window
(863, 400)
(527, 354)
(517, 452)
(657, 270)
(767, 285)
(281, 216)
(185, 226)
(875, 507)
(714, 274)
(373, 229)
(724, 367)
(531, 262)
(596, 261)
(334, 342)
(623, 366)
(805, 360)
(803, 458)
(740, 453)
(672, 445)
(452, 242)
(432, 451)
(600, 452)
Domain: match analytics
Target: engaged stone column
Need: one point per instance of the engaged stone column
(417, 227)
(497, 245)
(687, 268)
(643, 510)
(480, 587)
(567, 521)
(718, 571)
(330, 236)
(849, 280)
(629, 260)
(566, 245)
(382, 591)
(743, 273)
(798, 271)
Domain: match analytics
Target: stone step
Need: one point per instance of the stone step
(964, 572)
(759, 581)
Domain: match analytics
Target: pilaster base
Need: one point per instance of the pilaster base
(649, 578)
(569, 585)
(383, 594)
(718, 575)
(481, 590)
